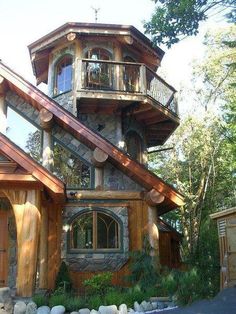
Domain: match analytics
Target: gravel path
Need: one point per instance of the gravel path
(223, 303)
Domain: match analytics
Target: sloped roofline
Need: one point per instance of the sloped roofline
(69, 122)
(55, 186)
(79, 27)
(223, 213)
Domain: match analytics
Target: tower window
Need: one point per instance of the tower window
(63, 75)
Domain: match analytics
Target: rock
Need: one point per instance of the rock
(94, 312)
(43, 310)
(147, 306)
(31, 308)
(5, 294)
(74, 312)
(84, 311)
(154, 305)
(160, 305)
(131, 311)
(20, 307)
(137, 307)
(8, 306)
(58, 309)
(123, 309)
(110, 309)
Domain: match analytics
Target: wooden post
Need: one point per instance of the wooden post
(46, 122)
(118, 68)
(78, 72)
(43, 249)
(143, 79)
(3, 109)
(153, 232)
(25, 205)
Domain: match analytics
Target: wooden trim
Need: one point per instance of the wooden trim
(223, 213)
(17, 177)
(91, 139)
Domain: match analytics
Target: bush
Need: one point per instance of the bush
(99, 284)
(94, 302)
(63, 278)
(58, 299)
(40, 300)
(114, 297)
(74, 304)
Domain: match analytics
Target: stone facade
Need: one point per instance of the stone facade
(66, 101)
(100, 260)
(12, 252)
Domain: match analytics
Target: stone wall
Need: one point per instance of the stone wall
(100, 260)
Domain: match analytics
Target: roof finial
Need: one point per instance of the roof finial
(96, 13)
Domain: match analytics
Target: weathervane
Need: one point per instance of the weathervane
(96, 13)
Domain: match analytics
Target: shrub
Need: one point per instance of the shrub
(74, 304)
(134, 294)
(114, 297)
(94, 302)
(58, 299)
(40, 300)
(169, 283)
(63, 278)
(98, 284)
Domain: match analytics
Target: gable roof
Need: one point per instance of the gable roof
(29, 170)
(132, 168)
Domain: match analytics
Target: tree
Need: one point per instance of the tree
(174, 20)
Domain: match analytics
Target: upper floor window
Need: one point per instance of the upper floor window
(99, 74)
(134, 145)
(71, 169)
(63, 75)
(94, 231)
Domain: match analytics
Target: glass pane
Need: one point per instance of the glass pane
(24, 134)
(64, 75)
(107, 232)
(70, 169)
(82, 232)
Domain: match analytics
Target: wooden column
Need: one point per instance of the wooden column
(25, 205)
(43, 249)
(46, 122)
(78, 72)
(3, 109)
(118, 68)
(98, 159)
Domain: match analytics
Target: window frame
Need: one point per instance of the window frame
(96, 250)
(92, 175)
(55, 80)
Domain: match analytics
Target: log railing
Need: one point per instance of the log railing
(127, 77)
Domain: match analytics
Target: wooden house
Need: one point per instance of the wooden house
(226, 223)
(78, 189)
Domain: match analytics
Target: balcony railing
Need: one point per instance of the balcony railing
(127, 77)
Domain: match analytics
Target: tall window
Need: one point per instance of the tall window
(63, 75)
(99, 74)
(134, 145)
(70, 168)
(94, 231)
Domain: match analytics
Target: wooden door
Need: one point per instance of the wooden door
(3, 248)
(231, 246)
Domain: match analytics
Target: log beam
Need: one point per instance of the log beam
(3, 112)
(46, 119)
(153, 198)
(99, 195)
(99, 158)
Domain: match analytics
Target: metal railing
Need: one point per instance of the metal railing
(127, 77)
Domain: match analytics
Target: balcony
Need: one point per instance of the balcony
(126, 78)
(109, 87)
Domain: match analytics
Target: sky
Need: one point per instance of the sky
(24, 21)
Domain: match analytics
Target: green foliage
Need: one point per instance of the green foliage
(114, 297)
(58, 299)
(94, 302)
(99, 284)
(63, 282)
(74, 303)
(143, 267)
(174, 20)
(40, 299)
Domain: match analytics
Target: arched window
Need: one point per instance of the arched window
(63, 75)
(134, 145)
(99, 74)
(94, 230)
